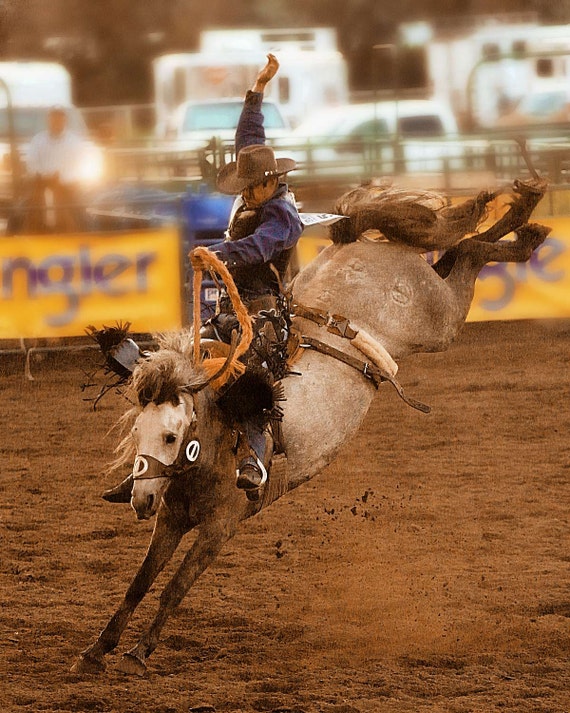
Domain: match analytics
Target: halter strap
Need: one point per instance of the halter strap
(188, 453)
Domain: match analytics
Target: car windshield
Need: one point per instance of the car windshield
(543, 104)
(29, 121)
(225, 115)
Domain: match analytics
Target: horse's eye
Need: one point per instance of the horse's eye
(170, 438)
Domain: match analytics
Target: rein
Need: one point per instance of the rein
(202, 258)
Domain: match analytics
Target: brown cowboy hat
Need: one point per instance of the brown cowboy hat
(254, 164)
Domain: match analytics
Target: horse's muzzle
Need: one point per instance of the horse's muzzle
(150, 478)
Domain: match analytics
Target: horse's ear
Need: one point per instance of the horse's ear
(187, 390)
(144, 397)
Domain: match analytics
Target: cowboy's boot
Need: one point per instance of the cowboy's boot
(120, 493)
(253, 470)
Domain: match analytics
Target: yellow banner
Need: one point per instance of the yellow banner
(54, 286)
(539, 288)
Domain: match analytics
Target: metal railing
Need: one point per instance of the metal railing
(456, 165)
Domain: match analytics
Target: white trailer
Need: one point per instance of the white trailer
(312, 74)
(483, 74)
(35, 83)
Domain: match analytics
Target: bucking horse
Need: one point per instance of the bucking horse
(366, 302)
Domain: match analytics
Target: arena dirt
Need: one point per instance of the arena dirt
(427, 569)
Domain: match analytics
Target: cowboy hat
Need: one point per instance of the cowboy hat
(254, 164)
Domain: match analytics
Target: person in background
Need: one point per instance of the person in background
(54, 163)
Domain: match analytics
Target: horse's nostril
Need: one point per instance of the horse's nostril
(149, 502)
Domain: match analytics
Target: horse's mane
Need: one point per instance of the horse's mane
(159, 378)
(162, 375)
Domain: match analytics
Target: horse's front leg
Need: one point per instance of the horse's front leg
(212, 537)
(168, 532)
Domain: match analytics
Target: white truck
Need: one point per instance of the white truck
(312, 74)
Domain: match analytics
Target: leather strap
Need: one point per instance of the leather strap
(335, 323)
(370, 371)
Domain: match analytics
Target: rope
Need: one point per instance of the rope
(196, 316)
(201, 258)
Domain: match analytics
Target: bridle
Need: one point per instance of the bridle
(187, 455)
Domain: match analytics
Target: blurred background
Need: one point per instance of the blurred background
(108, 46)
(446, 95)
(148, 82)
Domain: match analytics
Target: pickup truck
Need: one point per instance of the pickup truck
(195, 123)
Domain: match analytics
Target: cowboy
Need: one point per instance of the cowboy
(263, 230)
(264, 223)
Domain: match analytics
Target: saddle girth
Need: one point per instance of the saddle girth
(340, 326)
(370, 371)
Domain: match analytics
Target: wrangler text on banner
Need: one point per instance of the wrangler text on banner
(54, 286)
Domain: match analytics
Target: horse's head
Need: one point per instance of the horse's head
(160, 435)
(164, 434)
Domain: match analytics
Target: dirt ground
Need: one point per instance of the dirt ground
(427, 569)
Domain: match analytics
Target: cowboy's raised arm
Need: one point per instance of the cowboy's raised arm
(250, 126)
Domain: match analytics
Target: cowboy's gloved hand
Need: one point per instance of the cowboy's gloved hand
(266, 74)
(198, 262)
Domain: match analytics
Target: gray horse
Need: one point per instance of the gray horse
(184, 444)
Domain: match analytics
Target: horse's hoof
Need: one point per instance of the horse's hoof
(87, 664)
(131, 665)
(532, 234)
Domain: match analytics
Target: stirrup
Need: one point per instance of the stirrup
(258, 465)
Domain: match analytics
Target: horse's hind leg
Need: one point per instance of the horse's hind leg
(474, 254)
(203, 552)
(165, 539)
(528, 238)
(528, 194)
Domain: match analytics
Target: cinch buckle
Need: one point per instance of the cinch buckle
(340, 326)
